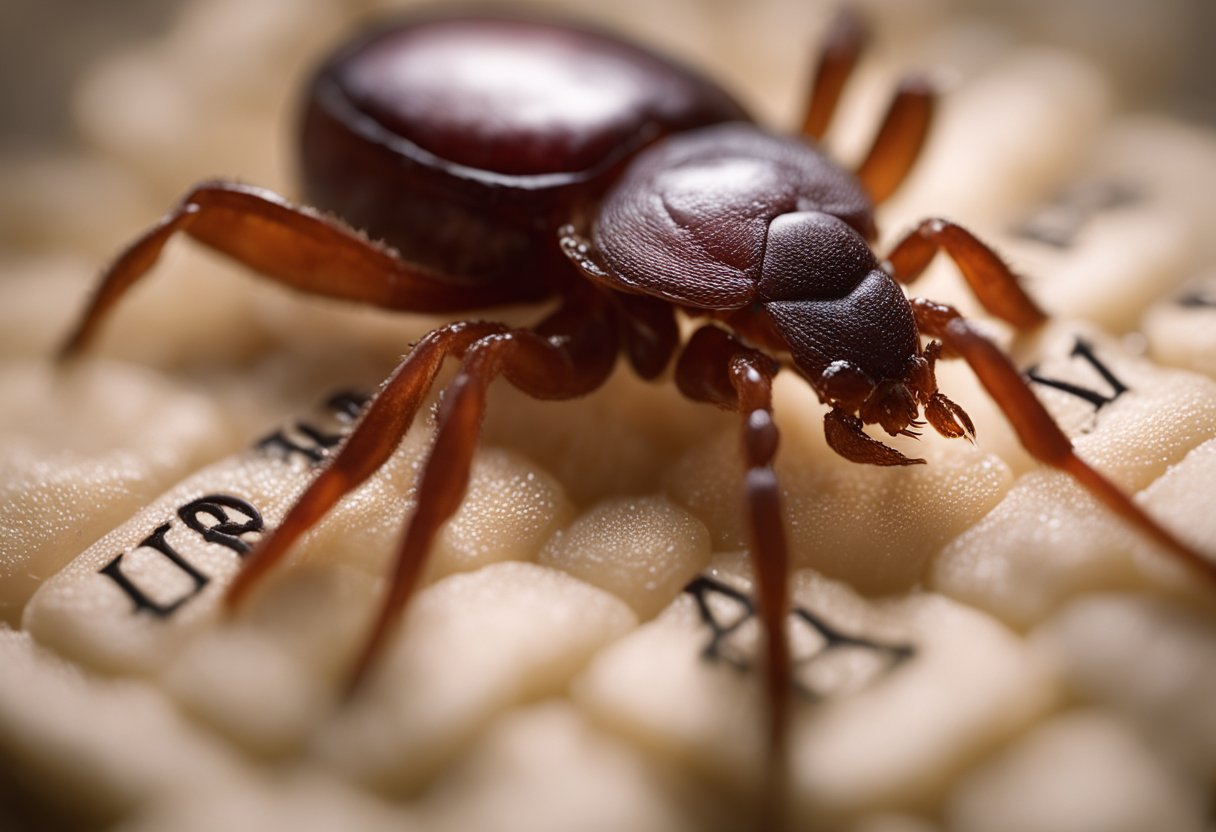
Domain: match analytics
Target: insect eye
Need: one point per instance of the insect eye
(845, 384)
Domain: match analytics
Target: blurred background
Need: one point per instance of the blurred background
(1160, 50)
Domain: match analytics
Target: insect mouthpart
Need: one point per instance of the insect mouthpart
(893, 406)
(892, 403)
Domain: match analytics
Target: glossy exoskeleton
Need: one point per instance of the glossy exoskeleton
(511, 160)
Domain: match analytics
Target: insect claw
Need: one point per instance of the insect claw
(846, 437)
(948, 419)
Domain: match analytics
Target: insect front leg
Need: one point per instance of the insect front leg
(379, 431)
(993, 282)
(842, 47)
(570, 354)
(1034, 426)
(718, 369)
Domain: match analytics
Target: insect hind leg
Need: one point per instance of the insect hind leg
(292, 245)
(843, 46)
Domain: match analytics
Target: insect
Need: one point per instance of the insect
(509, 160)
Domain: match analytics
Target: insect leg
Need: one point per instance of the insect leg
(900, 139)
(290, 244)
(845, 40)
(1034, 426)
(716, 368)
(379, 431)
(993, 282)
(569, 354)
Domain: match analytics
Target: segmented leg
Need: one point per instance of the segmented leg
(293, 245)
(845, 40)
(379, 431)
(718, 369)
(568, 355)
(994, 284)
(385, 421)
(900, 139)
(1034, 426)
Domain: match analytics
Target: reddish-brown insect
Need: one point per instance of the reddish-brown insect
(508, 160)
